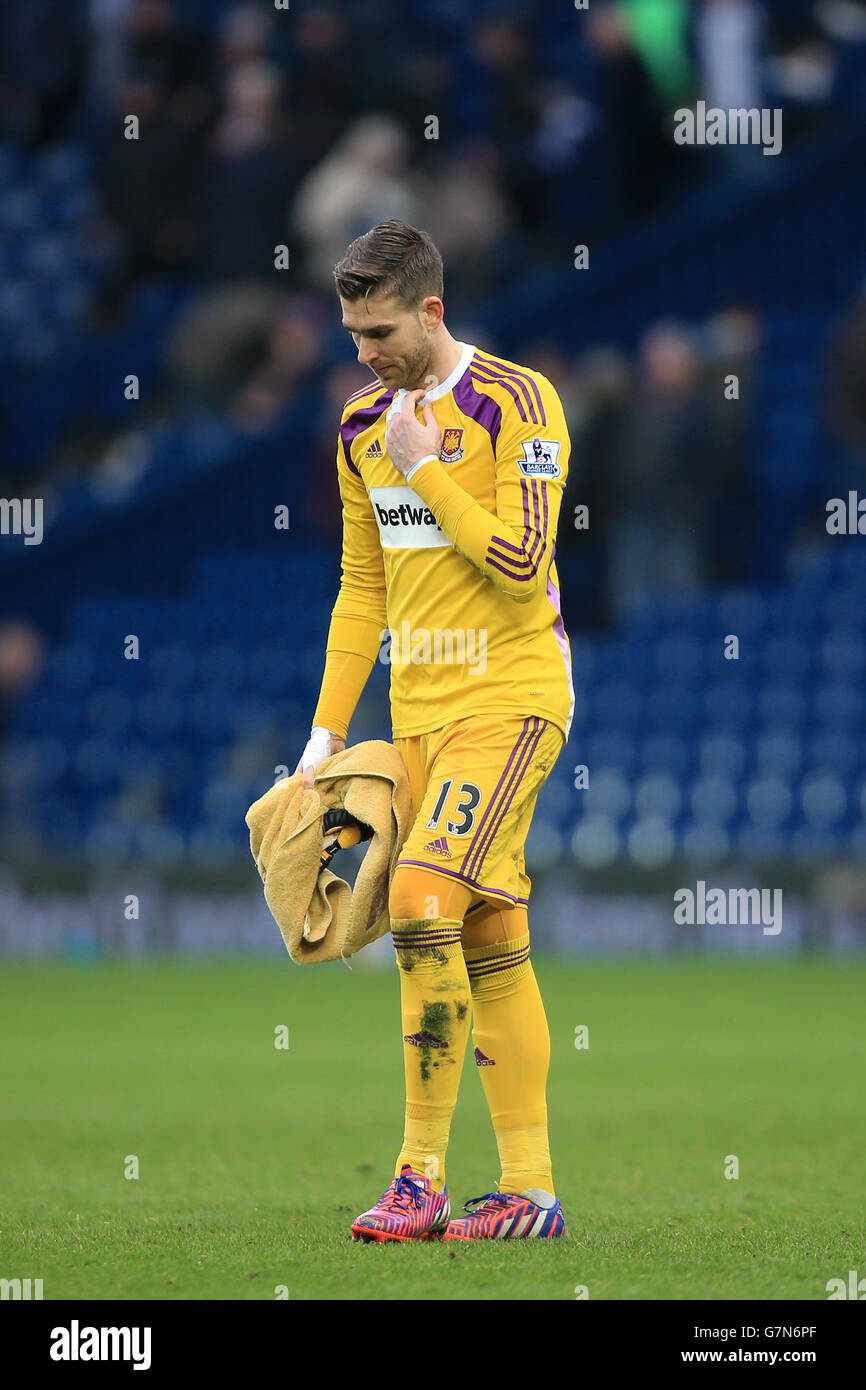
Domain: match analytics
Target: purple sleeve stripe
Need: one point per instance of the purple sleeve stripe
(521, 562)
(517, 375)
(529, 494)
(537, 552)
(510, 383)
(538, 488)
(508, 567)
(499, 381)
(507, 545)
(508, 572)
(528, 556)
(540, 526)
(530, 525)
(478, 405)
(517, 563)
(534, 388)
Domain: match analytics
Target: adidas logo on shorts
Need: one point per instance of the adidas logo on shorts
(439, 847)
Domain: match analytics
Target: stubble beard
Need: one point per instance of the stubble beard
(416, 372)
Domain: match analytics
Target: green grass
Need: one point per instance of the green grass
(254, 1160)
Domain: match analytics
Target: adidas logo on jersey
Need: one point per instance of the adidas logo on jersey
(481, 1060)
(375, 451)
(439, 847)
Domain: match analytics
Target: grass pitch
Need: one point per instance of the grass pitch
(253, 1160)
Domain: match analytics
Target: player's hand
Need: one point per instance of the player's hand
(406, 439)
(322, 744)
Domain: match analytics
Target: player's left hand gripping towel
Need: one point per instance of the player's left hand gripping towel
(319, 915)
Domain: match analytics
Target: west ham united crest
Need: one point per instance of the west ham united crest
(452, 446)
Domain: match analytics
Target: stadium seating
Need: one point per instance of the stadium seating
(688, 753)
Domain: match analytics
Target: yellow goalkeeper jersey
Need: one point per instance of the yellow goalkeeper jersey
(449, 575)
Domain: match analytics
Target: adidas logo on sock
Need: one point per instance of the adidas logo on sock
(424, 1039)
(374, 451)
(481, 1060)
(439, 847)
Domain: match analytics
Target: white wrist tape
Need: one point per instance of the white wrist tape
(318, 747)
(415, 466)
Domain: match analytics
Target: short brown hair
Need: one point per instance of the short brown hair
(391, 259)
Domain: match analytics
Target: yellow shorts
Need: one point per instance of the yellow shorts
(474, 786)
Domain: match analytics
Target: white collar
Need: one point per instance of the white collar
(467, 352)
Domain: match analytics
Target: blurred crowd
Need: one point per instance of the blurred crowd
(501, 130)
(661, 495)
(498, 130)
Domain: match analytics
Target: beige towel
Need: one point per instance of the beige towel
(320, 916)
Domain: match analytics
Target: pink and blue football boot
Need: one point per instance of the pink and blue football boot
(506, 1216)
(410, 1208)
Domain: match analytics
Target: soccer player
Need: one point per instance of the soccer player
(451, 467)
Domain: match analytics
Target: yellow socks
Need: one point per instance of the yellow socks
(437, 1007)
(512, 1052)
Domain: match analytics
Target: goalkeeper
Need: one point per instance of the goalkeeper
(451, 466)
